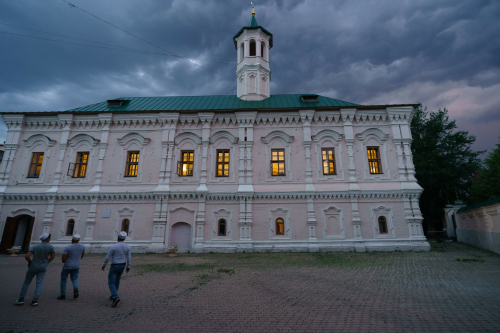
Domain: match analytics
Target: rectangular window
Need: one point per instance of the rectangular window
(222, 163)
(35, 165)
(80, 167)
(328, 157)
(132, 164)
(185, 165)
(374, 160)
(278, 162)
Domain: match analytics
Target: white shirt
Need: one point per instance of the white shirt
(120, 252)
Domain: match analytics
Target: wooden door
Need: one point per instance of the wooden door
(9, 234)
(27, 235)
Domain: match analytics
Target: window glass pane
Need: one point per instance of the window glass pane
(82, 171)
(40, 158)
(274, 155)
(330, 154)
(34, 158)
(324, 155)
(85, 157)
(325, 167)
(281, 155)
(38, 169)
(281, 167)
(275, 168)
(226, 157)
(220, 158)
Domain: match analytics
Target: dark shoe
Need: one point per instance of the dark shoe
(61, 297)
(115, 302)
(111, 298)
(34, 302)
(20, 301)
(75, 293)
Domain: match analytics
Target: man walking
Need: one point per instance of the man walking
(72, 255)
(120, 252)
(43, 254)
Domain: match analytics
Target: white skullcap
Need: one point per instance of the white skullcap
(76, 237)
(122, 235)
(44, 236)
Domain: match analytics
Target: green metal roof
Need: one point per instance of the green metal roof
(214, 102)
(479, 205)
(253, 25)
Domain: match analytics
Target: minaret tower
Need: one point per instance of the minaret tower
(253, 75)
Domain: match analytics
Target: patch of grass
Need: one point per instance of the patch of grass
(469, 260)
(226, 270)
(170, 268)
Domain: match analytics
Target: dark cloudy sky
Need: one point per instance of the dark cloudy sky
(439, 53)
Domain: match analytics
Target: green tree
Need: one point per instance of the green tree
(487, 184)
(444, 163)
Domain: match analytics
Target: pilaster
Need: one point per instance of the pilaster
(105, 120)
(159, 221)
(245, 121)
(206, 119)
(14, 125)
(347, 118)
(200, 222)
(49, 214)
(90, 222)
(66, 121)
(168, 135)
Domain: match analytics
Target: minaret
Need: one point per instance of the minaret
(253, 75)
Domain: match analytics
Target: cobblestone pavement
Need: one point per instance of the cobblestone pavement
(279, 292)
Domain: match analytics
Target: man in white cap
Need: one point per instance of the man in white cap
(120, 252)
(42, 254)
(72, 255)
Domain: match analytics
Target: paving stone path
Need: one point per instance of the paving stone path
(278, 292)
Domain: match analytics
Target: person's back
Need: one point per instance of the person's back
(41, 253)
(74, 255)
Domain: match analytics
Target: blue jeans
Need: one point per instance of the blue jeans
(73, 275)
(114, 276)
(30, 274)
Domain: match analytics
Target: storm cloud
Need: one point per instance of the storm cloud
(438, 53)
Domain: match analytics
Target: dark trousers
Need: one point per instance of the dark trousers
(114, 276)
(73, 275)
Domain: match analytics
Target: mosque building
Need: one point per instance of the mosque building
(253, 172)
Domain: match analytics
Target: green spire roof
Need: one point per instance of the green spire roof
(253, 22)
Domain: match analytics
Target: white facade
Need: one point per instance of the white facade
(299, 208)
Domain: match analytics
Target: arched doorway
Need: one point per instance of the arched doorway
(17, 232)
(181, 236)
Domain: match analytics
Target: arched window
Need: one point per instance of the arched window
(242, 51)
(253, 48)
(262, 48)
(125, 225)
(222, 228)
(280, 226)
(70, 227)
(382, 224)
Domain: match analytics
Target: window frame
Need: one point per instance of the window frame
(282, 223)
(328, 160)
(219, 223)
(181, 163)
(34, 165)
(377, 160)
(278, 161)
(382, 219)
(72, 229)
(129, 163)
(254, 43)
(79, 164)
(223, 163)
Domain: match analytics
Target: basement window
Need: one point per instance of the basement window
(309, 98)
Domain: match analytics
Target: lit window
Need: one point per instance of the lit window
(79, 169)
(382, 225)
(223, 163)
(280, 226)
(253, 48)
(222, 228)
(374, 160)
(278, 162)
(185, 165)
(35, 165)
(70, 227)
(125, 225)
(132, 164)
(328, 157)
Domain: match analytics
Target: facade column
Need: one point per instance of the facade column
(169, 121)
(159, 221)
(200, 222)
(66, 120)
(311, 225)
(49, 214)
(206, 119)
(245, 223)
(90, 222)
(307, 116)
(347, 118)
(245, 121)
(105, 120)
(359, 245)
(14, 124)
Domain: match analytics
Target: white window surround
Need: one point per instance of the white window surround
(80, 143)
(37, 143)
(328, 139)
(187, 141)
(386, 211)
(217, 215)
(131, 142)
(338, 214)
(222, 140)
(122, 214)
(22, 211)
(70, 214)
(286, 216)
(374, 137)
(278, 140)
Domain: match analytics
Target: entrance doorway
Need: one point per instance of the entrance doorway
(181, 236)
(17, 232)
